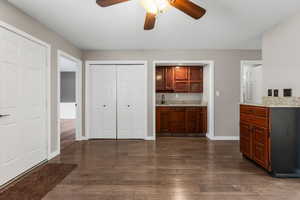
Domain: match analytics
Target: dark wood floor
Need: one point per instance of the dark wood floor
(68, 131)
(168, 169)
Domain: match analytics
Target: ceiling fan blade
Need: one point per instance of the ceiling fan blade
(188, 8)
(106, 3)
(149, 21)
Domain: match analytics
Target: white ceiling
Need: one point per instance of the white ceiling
(228, 24)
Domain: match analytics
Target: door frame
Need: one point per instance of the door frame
(78, 134)
(87, 85)
(211, 104)
(48, 79)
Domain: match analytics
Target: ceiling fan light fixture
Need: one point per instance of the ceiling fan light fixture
(155, 6)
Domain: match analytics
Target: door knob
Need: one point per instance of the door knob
(4, 115)
(104, 106)
(128, 106)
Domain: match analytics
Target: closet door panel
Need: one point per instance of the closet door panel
(131, 90)
(103, 102)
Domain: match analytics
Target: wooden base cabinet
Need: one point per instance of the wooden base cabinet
(254, 134)
(181, 120)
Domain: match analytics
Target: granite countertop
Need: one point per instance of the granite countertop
(270, 105)
(185, 104)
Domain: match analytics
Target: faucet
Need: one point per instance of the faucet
(163, 99)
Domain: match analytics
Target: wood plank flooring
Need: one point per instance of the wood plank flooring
(168, 169)
(68, 131)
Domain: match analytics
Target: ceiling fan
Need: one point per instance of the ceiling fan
(155, 7)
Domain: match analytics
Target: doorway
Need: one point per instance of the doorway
(205, 99)
(69, 100)
(251, 82)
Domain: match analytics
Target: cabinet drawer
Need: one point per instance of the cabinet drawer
(255, 110)
(254, 120)
(246, 109)
(260, 122)
(261, 112)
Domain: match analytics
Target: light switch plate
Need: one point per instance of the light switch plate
(217, 93)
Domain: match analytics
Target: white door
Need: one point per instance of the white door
(23, 142)
(103, 102)
(131, 92)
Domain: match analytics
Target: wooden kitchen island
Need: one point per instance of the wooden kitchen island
(270, 136)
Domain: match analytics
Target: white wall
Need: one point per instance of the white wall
(281, 56)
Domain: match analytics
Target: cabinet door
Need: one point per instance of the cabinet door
(196, 79)
(160, 79)
(196, 73)
(103, 99)
(181, 74)
(196, 87)
(181, 86)
(169, 78)
(246, 139)
(193, 120)
(203, 120)
(177, 120)
(260, 146)
(162, 120)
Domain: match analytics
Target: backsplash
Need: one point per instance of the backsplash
(180, 97)
(289, 101)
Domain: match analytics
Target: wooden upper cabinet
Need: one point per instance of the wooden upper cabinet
(196, 79)
(179, 79)
(160, 79)
(181, 86)
(196, 74)
(169, 78)
(164, 79)
(196, 87)
(181, 73)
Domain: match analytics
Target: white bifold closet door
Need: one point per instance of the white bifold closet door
(103, 91)
(131, 90)
(23, 135)
(118, 102)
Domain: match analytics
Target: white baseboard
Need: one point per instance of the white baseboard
(83, 138)
(53, 154)
(223, 137)
(150, 138)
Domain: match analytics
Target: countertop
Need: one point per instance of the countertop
(182, 105)
(271, 106)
